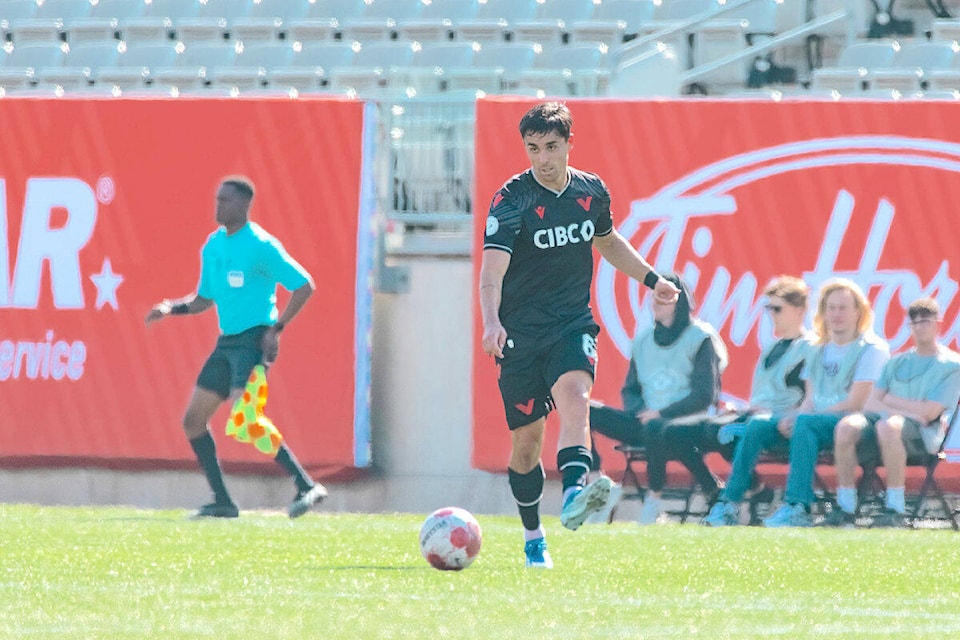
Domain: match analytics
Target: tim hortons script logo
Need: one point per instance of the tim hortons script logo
(681, 214)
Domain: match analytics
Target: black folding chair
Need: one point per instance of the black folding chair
(872, 488)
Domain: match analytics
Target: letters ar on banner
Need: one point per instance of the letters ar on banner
(104, 205)
(733, 193)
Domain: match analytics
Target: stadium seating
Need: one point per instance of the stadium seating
(494, 19)
(373, 67)
(437, 20)
(856, 63)
(311, 66)
(191, 66)
(80, 64)
(19, 67)
(613, 22)
(496, 66)
(912, 64)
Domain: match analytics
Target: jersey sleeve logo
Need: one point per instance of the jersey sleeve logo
(496, 199)
(585, 202)
(493, 225)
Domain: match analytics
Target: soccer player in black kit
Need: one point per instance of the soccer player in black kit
(535, 284)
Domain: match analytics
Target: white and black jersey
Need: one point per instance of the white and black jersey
(546, 289)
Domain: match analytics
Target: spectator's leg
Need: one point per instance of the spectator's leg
(846, 435)
(759, 434)
(894, 454)
(656, 455)
(811, 433)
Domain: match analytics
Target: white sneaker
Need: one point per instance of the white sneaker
(651, 510)
(603, 516)
(581, 503)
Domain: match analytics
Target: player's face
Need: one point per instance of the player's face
(787, 318)
(231, 207)
(664, 313)
(842, 315)
(924, 329)
(548, 154)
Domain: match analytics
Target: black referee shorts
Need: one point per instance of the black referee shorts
(231, 362)
(528, 371)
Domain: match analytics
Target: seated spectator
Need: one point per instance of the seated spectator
(674, 374)
(905, 415)
(776, 392)
(839, 377)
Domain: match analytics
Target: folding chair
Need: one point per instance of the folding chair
(686, 493)
(930, 489)
(630, 479)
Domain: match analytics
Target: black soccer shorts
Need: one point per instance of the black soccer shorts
(231, 362)
(528, 372)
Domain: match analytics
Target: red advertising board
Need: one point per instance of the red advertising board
(104, 205)
(732, 193)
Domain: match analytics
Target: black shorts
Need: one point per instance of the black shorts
(528, 372)
(868, 449)
(231, 362)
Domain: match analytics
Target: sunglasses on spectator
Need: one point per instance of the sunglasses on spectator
(919, 321)
(773, 308)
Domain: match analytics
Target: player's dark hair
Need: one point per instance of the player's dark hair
(243, 185)
(792, 289)
(547, 117)
(923, 308)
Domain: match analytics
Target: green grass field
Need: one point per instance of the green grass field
(120, 573)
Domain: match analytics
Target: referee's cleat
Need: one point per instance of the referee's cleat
(582, 503)
(306, 499)
(217, 510)
(537, 555)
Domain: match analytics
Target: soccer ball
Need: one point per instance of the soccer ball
(450, 539)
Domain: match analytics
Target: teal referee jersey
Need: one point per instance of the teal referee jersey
(240, 273)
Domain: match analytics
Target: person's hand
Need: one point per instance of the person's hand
(494, 337)
(665, 292)
(647, 415)
(270, 345)
(158, 312)
(785, 426)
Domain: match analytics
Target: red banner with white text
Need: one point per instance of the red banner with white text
(104, 205)
(733, 193)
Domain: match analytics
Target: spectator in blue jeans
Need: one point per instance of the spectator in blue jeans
(776, 392)
(839, 376)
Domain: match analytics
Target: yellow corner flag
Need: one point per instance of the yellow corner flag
(247, 423)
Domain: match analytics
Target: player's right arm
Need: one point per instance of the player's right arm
(492, 270)
(187, 305)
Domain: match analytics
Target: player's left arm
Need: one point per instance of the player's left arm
(617, 251)
(291, 275)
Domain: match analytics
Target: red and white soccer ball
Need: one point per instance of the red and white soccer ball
(450, 539)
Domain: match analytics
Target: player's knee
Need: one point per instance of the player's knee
(889, 431)
(194, 425)
(848, 430)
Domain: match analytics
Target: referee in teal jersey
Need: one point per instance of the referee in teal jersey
(241, 266)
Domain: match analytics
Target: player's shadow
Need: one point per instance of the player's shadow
(368, 567)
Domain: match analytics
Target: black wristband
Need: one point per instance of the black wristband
(278, 326)
(650, 280)
(181, 309)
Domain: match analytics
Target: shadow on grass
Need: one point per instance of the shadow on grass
(367, 567)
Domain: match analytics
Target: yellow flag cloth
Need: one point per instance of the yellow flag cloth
(247, 422)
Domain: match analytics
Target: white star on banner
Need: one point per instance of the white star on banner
(107, 282)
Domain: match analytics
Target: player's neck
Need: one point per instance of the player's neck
(232, 228)
(926, 348)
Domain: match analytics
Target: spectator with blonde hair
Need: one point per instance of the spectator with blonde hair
(839, 376)
(905, 415)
